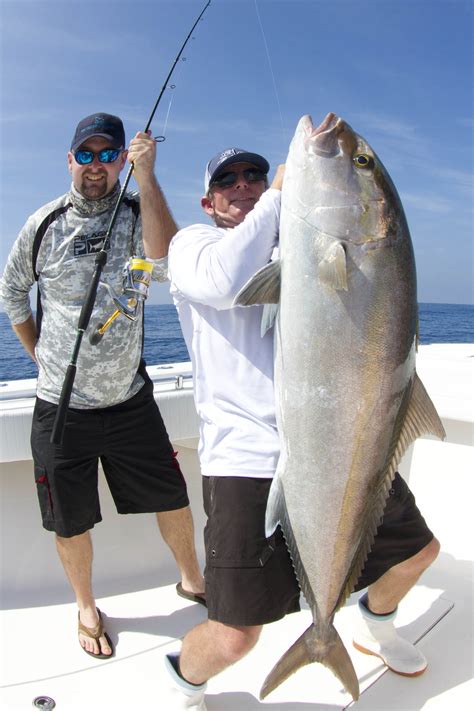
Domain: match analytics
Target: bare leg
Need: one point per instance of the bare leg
(76, 556)
(388, 591)
(177, 529)
(212, 646)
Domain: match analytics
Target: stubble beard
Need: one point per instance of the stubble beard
(96, 190)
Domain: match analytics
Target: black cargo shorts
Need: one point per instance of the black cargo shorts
(131, 442)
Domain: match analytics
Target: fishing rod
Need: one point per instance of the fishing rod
(100, 262)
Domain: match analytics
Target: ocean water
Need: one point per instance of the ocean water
(439, 323)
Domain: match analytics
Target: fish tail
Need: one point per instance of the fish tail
(340, 663)
(310, 647)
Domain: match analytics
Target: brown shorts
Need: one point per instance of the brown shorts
(250, 579)
(402, 533)
(133, 446)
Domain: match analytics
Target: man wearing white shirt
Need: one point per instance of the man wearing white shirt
(250, 579)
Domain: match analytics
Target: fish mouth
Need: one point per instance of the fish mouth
(328, 123)
(324, 140)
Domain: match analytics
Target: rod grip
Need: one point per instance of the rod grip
(60, 419)
(88, 305)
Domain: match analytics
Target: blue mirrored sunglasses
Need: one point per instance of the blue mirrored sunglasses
(226, 180)
(106, 155)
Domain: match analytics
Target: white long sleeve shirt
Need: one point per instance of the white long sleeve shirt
(232, 363)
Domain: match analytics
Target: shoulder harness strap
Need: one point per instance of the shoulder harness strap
(41, 231)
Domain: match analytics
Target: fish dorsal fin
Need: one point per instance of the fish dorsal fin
(333, 267)
(417, 417)
(262, 288)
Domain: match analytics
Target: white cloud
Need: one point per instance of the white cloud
(458, 179)
(429, 203)
(24, 30)
(388, 126)
(45, 115)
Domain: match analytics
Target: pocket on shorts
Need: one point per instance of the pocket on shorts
(44, 415)
(220, 557)
(399, 489)
(234, 535)
(44, 492)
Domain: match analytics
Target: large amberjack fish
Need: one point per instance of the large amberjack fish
(349, 401)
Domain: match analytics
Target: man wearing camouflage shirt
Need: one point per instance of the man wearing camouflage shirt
(112, 414)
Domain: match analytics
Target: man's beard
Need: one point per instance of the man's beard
(94, 190)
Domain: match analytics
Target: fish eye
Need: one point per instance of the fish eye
(362, 160)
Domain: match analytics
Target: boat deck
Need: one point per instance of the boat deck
(145, 618)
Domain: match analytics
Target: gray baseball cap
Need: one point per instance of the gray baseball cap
(228, 157)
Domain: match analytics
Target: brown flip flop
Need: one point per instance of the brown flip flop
(190, 596)
(95, 633)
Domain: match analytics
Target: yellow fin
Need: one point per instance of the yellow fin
(421, 419)
(333, 268)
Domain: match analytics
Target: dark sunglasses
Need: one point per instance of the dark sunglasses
(226, 180)
(106, 155)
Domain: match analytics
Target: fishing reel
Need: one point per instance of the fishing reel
(136, 282)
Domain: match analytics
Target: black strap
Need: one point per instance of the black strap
(41, 231)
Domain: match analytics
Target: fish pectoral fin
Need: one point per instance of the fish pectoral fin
(262, 288)
(275, 506)
(333, 267)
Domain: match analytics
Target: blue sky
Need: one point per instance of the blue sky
(399, 71)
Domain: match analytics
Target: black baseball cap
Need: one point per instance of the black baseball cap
(229, 156)
(104, 125)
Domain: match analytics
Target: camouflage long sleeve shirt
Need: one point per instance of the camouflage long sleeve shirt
(107, 372)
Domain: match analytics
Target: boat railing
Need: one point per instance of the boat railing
(172, 390)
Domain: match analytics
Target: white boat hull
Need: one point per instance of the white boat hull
(135, 579)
